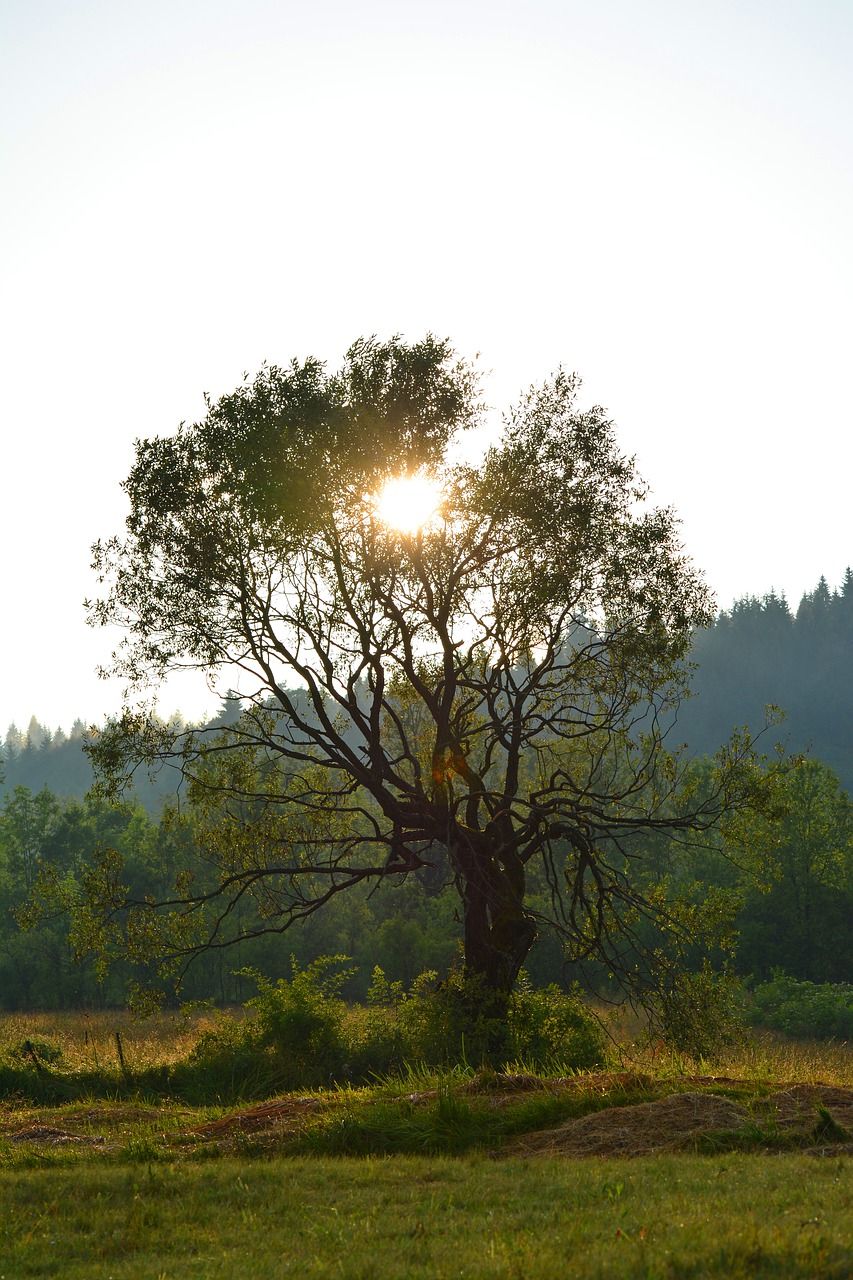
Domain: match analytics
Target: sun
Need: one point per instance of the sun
(408, 503)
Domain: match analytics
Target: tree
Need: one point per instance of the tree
(27, 822)
(461, 693)
(797, 914)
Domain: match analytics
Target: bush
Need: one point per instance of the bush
(453, 1022)
(293, 1038)
(551, 1028)
(299, 1023)
(699, 1013)
(442, 1024)
(301, 1035)
(805, 1010)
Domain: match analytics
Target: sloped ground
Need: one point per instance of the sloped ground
(814, 1117)
(643, 1128)
(102, 1126)
(796, 1104)
(821, 1116)
(621, 1114)
(284, 1114)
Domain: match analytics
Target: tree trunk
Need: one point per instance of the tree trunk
(498, 935)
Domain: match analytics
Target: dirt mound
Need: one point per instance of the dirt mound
(268, 1115)
(45, 1133)
(642, 1129)
(797, 1106)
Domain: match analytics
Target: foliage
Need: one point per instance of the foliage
(801, 897)
(806, 1010)
(475, 702)
(543, 1028)
(549, 1028)
(301, 1035)
(34, 1051)
(292, 1040)
(700, 1013)
(50, 852)
(736, 900)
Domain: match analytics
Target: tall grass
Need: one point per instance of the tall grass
(75, 1055)
(87, 1041)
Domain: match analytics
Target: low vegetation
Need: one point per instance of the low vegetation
(677, 1218)
(300, 1034)
(491, 1173)
(804, 1009)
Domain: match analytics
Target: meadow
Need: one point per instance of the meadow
(647, 1167)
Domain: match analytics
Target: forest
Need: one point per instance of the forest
(762, 653)
(783, 906)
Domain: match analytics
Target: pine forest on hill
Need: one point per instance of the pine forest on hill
(758, 654)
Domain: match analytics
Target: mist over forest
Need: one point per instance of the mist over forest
(760, 653)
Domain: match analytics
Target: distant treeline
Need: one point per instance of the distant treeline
(58, 761)
(758, 653)
(39, 757)
(762, 653)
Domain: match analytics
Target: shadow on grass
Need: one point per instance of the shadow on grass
(812, 1259)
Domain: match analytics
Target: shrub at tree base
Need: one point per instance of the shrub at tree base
(301, 1034)
(806, 1010)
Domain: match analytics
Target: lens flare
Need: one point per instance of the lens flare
(408, 503)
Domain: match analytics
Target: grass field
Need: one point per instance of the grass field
(744, 1216)
(127, 1185)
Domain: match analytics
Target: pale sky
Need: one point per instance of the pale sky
(656, 194)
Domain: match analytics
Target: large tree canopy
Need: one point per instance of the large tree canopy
(459, 699)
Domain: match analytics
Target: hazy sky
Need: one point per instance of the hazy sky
(656, 194)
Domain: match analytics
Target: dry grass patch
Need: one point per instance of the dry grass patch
(797, 1104)
(643, 1128)
(283, 1113)
(795, 1114)
(88, 1040)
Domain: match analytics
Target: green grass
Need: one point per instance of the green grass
(346, 1122)
(160, 1198)
(671, 1218)
(364, 1125)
